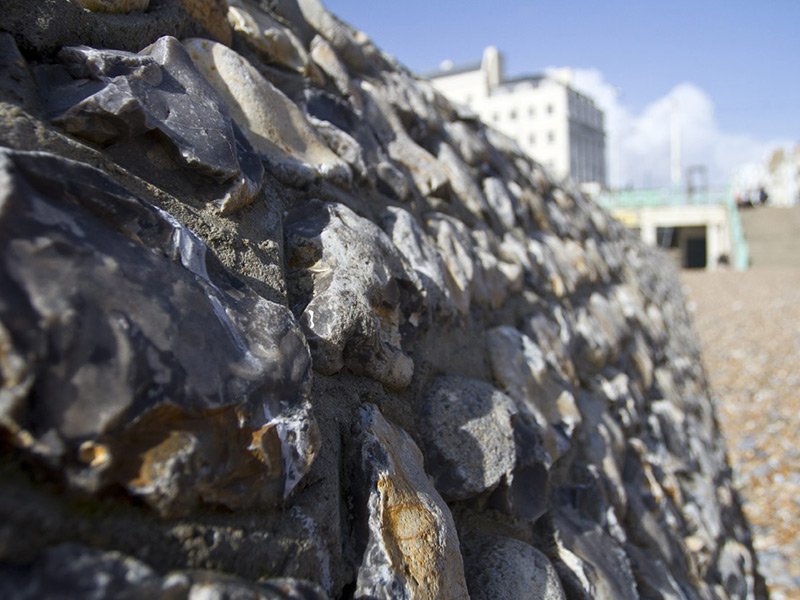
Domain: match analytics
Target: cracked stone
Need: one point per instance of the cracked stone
(412, 550)
(353, 292)
(152, 367)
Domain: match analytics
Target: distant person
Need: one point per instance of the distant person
(762, 196)
(745, 200)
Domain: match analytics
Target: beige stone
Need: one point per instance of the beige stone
(325, 57)
(273, 124)
(275, 42)
(213, 16)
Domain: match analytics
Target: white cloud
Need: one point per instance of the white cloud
(638, 144)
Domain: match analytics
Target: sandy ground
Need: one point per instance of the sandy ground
(749, 327)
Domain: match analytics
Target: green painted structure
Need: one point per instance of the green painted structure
(634, 201)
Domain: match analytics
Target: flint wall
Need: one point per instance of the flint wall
(277, 321)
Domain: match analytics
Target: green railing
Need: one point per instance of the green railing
(633, 199)
(661, 197)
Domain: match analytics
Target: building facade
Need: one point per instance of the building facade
(557, 126)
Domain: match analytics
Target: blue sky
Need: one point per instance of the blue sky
(743, 57)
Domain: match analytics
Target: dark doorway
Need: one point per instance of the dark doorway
(696, 252)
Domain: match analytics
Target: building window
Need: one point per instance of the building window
(531, 111)
(551, 136)
(549, 109)
(513, 115)
(532, 139)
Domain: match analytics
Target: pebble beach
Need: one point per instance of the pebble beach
(749, 328)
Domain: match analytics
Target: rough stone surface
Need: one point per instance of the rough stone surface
(114, 6)
(219, 389)
(278, 321)
(212, 15)
(353, 292)
(519, 367)
(418, 250)
(72, 571)
(507, 569)
(469, 441)
(412, 549)
(114, 98)
(275, 43)
(272, 123)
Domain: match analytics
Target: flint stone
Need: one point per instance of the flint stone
(519, 367)
(552, 335)
(212, 585)
(575, 256)
(564, 262)
(524, 493)
(501, 201)
(272, 123)
(113, 6)
(275, 43)
(326, 106)
(111, 97)
(412, 549)
(642, 359)
(531, 206)
(394, 180)
(735, 567)
(122, 323)
(341, 144)
(562, 214)
(494, 279)
(595, 262)
(513, 250)
(353, 292)
(454, 243)
(468, 436)
(594, 558)
(502, 142)
(348, 43)
(428, 174)
(501, 568)
(599, 328)
(623, 396)
(653, 577)
(613, 253)
(547, 276)
(418, 250)
(16, 83)
(604, 447)
(631, 302)
(412, 101)
(326, 58)
(74, 571)
(648, 508)
(469, 143)
(43, 28)
(381, 170)
(463, 185)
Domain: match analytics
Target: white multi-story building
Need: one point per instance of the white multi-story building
(556, 125)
